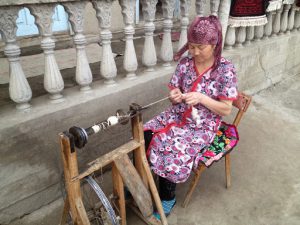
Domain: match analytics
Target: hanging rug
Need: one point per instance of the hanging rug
(244, 13)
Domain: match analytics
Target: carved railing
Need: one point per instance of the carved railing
(284, 20)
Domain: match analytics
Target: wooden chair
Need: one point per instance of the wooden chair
(242, 103)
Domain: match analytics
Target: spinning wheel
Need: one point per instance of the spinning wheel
(137, 177)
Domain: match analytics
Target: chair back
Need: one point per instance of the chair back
(242, 103)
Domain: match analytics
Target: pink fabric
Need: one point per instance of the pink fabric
(205, 31)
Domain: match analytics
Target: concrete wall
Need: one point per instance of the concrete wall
(266, 62)
(30, 166)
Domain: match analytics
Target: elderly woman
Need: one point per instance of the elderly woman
(201, 91)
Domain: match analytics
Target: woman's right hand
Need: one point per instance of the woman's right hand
(175, 96)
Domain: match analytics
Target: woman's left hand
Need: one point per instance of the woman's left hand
(193, 98)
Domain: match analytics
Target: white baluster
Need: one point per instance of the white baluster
(249, 35)
(108, 67)
(224, 10)
(297, 21)
(258, 32)
(268, 26)
(284, 19)
(185, 8)
(214, 7)
(130, 61)
(241, 37)
(291, 20)
(276, 24)
(149, 58)
(53, 81)
(166, 52)
(230, 38)
(200, 6)
(19, 89)
(76, 17)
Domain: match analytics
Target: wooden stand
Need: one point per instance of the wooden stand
(137, 178)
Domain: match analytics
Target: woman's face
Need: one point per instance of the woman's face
(202, 53)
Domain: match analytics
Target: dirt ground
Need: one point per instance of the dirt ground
(265, 171)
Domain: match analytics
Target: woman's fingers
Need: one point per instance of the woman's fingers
(191, 98)
(177, 98)
(176, 95)
(188, 97)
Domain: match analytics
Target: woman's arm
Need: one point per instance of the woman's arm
(221, 107)
(226, 85)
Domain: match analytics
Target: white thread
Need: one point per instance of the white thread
(112, 120)
(86, 135)
(196, 116)
(96, 128)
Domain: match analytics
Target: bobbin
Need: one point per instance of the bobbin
(81, 135)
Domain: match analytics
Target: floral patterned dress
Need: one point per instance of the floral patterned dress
(179, 141)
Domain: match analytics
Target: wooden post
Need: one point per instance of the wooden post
(140, 156)
(134, 183)
(65, 213)
(138, 136)
(69, 158)
(119, 192)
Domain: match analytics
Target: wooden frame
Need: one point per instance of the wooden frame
(242, 103)
(138, 178)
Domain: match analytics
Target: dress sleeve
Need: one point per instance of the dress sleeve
(176, 79)
(227, 83)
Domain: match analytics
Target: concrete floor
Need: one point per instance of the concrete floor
(265, 171)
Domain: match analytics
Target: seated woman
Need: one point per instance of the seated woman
(202, 90)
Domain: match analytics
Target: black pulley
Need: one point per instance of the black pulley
(80, 136)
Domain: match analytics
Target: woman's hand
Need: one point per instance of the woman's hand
(193, 98)
(221, 107)
(175, 96)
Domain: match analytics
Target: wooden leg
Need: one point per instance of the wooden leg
(139, 164)
(134, 183)
(154, 192)
(65, 213)
(144, 169)
(69, 158)
(227, 170)
(82, 216)
(194, 183)
(119, 192)
(151, 185)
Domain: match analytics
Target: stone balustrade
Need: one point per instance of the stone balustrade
(19, 89)
(283, 21)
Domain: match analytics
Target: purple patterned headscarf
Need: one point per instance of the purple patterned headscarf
(205, 31)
